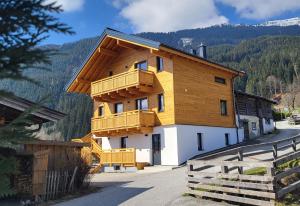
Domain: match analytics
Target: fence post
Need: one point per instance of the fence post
(274, 151)
(240, 158)
(294, 145)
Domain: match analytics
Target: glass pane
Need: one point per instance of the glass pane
(119, 108)
(142, 65)
(144, 104)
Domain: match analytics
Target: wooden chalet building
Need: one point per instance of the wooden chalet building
(167, 104)
(254, 114)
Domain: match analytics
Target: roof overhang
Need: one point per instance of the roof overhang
(19, 104)
(104, 51)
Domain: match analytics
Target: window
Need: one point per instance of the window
(161, 103)
(200, 143)
(159, 64)
(110, 73)
(141, 104)
(223, 104)
(123, 142)
(268, 121)
(220, 80)
(118, 108)
(141, 65)
(253, 124)
(100, 111)
(227, 139)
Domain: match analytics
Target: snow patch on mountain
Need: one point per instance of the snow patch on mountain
(283, 22)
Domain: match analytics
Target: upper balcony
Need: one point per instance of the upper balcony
(122, 86)
(132, 122)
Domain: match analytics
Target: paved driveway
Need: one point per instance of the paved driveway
(162, 188)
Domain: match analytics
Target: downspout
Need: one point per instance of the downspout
(236, 112)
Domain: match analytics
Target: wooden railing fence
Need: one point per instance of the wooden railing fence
(227, 180)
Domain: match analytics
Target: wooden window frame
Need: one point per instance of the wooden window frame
(115, 105)
(160, 105)
(225, 113)
(136, 103)
(101, 111)
(138, 63)
(159, 64)
(220, 80)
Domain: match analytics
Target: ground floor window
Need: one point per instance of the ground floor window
(200, 142)
(124, 142)
(227, 139)
(253, 125)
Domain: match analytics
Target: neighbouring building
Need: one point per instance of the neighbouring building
(13, 107)
(254, 114)
(168, 104)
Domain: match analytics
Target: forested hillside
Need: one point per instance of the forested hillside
(271, 63)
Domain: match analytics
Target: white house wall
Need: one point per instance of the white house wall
(178, 142)
(251, 119)
(212, 138)
(268, 127)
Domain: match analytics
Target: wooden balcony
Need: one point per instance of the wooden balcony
(125, 123)
(124, 157)
(122, 86)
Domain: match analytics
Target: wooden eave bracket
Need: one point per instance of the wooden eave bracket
(107, 52)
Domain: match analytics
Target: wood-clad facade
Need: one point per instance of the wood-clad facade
(157, 98)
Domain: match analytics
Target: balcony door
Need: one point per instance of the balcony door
(118, 108)
(156, 149)
(141, 104)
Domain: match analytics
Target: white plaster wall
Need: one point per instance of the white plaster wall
(143, 145)
(253, 133)
(268, 127)
(212, 138)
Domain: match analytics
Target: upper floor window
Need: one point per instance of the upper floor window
(100, 111)
(118, 108)
(161, 103)
(223, 106)
(159, 64)
(141, 65)
(141, 104)
(220, 80)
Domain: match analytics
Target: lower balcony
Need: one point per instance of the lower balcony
(132, 122)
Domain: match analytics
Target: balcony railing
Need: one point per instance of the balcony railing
(136, 121)
(125, 157)
(124, 85)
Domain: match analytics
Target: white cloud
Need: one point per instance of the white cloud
(68, 5)
(262, 9)
(169, 15)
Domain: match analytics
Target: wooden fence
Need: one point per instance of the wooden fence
(227, 180)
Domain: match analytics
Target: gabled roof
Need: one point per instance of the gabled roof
(255, 96)
(16, 105)
(143, 42)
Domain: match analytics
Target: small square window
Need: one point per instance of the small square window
(141, 65)
(220, 80)
(159, 64)
(223, 105)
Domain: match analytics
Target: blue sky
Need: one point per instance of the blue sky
(88, 18)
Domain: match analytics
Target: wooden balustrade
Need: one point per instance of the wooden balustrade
(124, 85)
(136, 121)
(124, 157)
